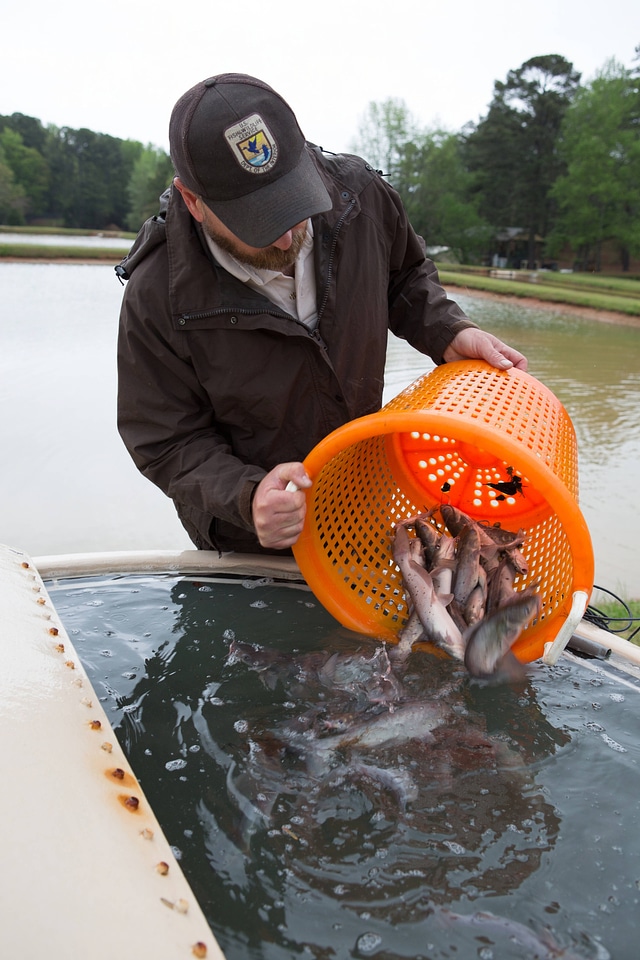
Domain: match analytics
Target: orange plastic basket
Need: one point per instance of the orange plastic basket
(444, 439)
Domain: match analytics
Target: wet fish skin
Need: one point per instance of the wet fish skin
(501, 586)
(508, 544)
(489, 642)
(431, 609)
(468, 572)
(445, 565)
(542, 946)
(474, 608)
(428, 536)
(456, 521)
(408, 721)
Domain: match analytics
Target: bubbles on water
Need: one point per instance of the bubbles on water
(241, 726)
(454, 847)
(229, 634)
(178, 764)
(617, 697)
(259, 604)
(613, 744)
(261, 582)
(368, 942)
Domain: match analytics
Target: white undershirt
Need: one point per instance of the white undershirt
(295, 295)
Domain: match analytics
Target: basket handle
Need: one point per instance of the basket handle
(553, 650)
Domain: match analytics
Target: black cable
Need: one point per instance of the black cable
(605, 622)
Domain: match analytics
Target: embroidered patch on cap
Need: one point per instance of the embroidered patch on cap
(252, 144)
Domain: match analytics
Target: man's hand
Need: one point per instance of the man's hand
(474, 344)
(278, 513)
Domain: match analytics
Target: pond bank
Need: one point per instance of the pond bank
(105, 258)
(589, 313)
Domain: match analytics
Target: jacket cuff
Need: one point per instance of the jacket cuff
(245, 502)
(447, 336)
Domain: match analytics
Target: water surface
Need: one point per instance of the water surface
(504, 824)
(69, 484)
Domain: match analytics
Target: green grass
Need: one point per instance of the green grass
(66, 231)
(618, 294)
(35, 251)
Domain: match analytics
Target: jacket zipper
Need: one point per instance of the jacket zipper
(218, 311)
(332, 253)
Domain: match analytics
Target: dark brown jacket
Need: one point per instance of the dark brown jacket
(217, 385)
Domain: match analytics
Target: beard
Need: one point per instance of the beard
(262, 258)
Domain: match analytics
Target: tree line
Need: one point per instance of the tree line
(554, 164)
(77, 179)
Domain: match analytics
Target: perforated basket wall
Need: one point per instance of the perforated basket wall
(445, 439)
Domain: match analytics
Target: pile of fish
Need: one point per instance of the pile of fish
(461, 589)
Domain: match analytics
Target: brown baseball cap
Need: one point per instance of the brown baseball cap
(236, 143)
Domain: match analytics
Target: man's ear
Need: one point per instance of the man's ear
(191, 199)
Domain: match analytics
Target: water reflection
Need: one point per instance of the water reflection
(72, 487)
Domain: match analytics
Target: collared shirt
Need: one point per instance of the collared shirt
(295, 295)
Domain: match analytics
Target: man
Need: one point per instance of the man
(256, 315)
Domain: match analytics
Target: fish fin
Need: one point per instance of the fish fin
(509, 668)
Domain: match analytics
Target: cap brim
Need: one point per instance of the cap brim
(261, 217)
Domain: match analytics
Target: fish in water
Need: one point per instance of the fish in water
(496, 929)
(488, 643)
(408, 721)
(463, 590)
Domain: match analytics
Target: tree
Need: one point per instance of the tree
(513, 151)
(90, 172)
(383, 135)
(427, 170)
(599, 195)
(12, 198)
(151, 175)
(29, 169)
(436, 190)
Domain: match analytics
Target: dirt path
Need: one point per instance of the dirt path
(606, 316)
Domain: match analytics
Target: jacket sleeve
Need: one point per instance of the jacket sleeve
(165, 418)
(419, 309)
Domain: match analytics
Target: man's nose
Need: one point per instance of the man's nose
(285, 241)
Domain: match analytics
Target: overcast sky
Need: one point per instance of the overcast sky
(118, 68)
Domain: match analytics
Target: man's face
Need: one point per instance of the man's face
(280, 255)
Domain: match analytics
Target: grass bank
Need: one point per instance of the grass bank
(593, 291)
(50, 253)
(65, 231)
(30, 250)
(620, 617)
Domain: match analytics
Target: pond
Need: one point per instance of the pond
(70, 486)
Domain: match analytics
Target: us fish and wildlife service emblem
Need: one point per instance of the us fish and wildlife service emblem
(252, 144)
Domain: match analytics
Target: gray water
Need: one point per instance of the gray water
(501, 824)
(68, 485)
